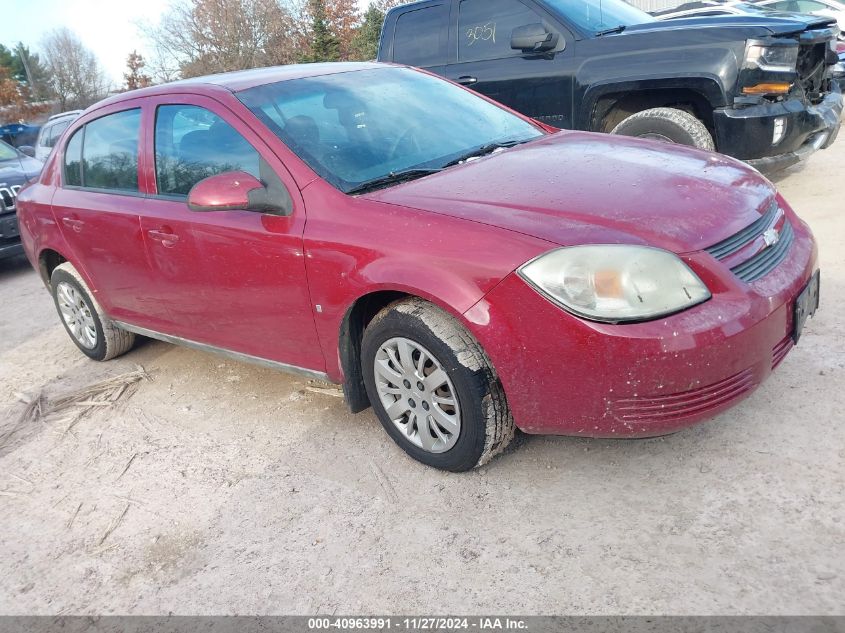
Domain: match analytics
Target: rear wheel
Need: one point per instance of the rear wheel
(86, 323)
(432, 387)
(669, 125)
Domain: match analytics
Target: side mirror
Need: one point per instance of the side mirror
(237, 191)
(533, 38)
(28, 150)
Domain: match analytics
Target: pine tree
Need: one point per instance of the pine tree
(325, 46)
(365, 42)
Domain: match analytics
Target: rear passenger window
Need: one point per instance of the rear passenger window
(110, 152)
(192, 143)
(73, 159)
(485, 28)
(421, 36)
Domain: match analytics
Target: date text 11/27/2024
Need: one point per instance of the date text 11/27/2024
(417, 624)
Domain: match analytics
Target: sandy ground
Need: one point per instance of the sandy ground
(221, 488)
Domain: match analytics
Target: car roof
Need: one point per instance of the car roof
(243, 79)
(62, 115)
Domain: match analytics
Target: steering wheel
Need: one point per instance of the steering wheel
(408, 136)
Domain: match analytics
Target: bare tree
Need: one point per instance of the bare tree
(75, 73)
(208, 36)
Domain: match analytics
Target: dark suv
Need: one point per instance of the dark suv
(759, 88)
(16, 169)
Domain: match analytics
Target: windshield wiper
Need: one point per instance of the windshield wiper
(615, 29)
(393, 178)
(489, 148)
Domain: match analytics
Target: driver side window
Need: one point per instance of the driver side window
(192, 143)
(485, 28)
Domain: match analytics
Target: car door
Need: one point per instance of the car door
(96, 206)
(233, 280)
(538, 85)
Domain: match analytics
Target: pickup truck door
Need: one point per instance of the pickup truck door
(538, 85)
(420, 37)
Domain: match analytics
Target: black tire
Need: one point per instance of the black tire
(669, 125)
(111, 341)
(486, 422)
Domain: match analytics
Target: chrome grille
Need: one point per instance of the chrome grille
(766, 260)
(763, 261)
(8, 200)
(747, 235)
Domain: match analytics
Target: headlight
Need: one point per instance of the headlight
(772, 58)
(615, 283)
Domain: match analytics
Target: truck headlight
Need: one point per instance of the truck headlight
(781, 58)
(615, 283)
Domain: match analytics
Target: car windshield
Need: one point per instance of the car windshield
(594, 16)
(7, 152)
(358, 127)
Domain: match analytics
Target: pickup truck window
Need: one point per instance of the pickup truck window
(594, 16)
(485, 27)
(355, 127)
(421, 36)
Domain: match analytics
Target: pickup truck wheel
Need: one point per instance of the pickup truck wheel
(86, 323)
(669, 125)
(433, 388)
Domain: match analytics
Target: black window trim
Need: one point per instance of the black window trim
(82, 129)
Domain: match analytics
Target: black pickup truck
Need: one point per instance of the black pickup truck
(759, 88)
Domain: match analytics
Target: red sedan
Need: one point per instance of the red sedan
(459, 267)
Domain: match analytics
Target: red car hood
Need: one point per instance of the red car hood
(579, 187)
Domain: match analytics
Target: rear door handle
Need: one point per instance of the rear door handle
(73, 223)
(467, 80)
(167, 239)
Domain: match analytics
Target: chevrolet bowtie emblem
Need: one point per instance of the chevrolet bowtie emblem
(771, 237)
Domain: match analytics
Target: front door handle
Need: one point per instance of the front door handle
(74, 224)
(167, 239)
(467, 80)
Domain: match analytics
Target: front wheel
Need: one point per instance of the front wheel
(669, 125)
(433, 388)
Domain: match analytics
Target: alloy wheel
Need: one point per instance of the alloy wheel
(76, 314)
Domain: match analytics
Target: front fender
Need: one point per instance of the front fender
(355, 247)
(709, 87)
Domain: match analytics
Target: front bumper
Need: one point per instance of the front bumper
(747, 133)
(10, 241)
(566, 376)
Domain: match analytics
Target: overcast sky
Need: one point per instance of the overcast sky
(108, 27)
